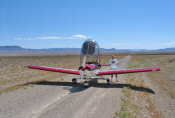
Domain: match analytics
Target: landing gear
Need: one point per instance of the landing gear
(86, 83)
(74, 81)
(108, 81)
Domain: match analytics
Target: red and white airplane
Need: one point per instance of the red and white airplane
(90, 65)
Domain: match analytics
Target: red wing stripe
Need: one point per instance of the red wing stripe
(129, 71)
(69, 71)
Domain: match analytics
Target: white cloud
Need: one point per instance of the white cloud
(169, 43)
(48, 37)
(24, 38)
(77, 36)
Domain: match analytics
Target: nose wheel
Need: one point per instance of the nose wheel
(108, 81)
(86, 84)
(74, 81)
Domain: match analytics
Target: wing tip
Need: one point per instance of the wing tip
(157, 69)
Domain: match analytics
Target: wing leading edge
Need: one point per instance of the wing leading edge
(69, 71)
(128, 71)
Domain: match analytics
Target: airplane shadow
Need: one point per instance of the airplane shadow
(80, 87)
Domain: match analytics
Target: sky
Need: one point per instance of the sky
(120, 24)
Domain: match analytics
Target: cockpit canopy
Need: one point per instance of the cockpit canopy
(90, 49)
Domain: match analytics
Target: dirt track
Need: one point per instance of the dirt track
(55, 99)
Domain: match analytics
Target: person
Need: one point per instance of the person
(113, 63)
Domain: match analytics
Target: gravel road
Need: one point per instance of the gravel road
(54, 99)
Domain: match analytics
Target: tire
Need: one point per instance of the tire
(74, 81)
(108, 82)
(86, 84)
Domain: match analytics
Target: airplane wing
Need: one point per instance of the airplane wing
(128, 71)
(69, 71)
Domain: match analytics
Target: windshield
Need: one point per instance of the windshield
(90, 50)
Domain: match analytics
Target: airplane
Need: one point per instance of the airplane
(90, 65)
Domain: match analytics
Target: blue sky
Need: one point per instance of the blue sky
(120, 24)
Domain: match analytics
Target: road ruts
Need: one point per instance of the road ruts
(53, 99)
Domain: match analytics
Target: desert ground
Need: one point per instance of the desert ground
(28, 93)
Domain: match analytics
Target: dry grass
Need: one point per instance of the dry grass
(128, 109)
(163, 80)
(166, 77)
(140, 104)
(14, 69)
(106, 56)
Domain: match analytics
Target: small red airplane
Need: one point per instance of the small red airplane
(91, 65)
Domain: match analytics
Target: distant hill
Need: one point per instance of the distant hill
(18, 49)
(10, 48)
(167, 49)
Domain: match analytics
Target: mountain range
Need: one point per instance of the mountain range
(18, 49)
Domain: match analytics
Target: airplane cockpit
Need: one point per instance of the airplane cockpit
(89, 52)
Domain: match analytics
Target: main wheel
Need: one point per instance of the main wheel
(86, 83)
(108, 82)
(74, 80)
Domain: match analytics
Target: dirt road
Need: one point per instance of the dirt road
(54, 99)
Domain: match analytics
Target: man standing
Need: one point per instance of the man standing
(113, 63)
